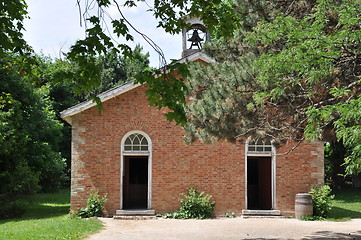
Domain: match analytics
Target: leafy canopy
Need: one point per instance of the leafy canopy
(290, 72)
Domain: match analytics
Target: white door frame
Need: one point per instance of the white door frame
(124, 154)
(272, 155)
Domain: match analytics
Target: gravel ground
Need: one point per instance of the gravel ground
(227, 228)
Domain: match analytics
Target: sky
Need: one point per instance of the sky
(54, 25)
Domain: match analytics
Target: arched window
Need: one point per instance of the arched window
(259, 146)
(136, 142)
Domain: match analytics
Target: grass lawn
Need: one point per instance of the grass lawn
(346, 205)
(46, 217)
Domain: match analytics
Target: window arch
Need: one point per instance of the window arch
(262, 146)
(136, 142)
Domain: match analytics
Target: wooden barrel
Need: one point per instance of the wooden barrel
(303, 205)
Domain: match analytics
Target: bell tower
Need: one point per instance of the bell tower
(194, 36)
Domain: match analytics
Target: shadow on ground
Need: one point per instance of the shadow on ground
(40, 211)
(323, 235)
(42, 205)
(339, 213)
(46, 212)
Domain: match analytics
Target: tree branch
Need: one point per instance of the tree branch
(291, 149)
(162, 60)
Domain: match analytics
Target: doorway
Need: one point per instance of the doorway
(259, 183)
(135, 182)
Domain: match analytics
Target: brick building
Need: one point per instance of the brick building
(132, 153)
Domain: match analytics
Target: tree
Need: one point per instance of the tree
(29, 136)
(116, 69)
(313, 66)
(290, 73)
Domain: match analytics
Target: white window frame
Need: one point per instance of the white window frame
(147, 153)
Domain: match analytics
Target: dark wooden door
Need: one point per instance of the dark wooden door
(259, 183)
(265, 183)
(135, 182)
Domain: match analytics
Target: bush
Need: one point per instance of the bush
(194, 204)
(95, 205)
(321, 197)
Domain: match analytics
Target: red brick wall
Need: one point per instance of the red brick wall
(218, 169)
(297, 172)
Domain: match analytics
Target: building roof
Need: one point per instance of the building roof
(197, 56)
(104, 96)
(116, 91)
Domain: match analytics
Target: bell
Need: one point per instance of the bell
(195, 39)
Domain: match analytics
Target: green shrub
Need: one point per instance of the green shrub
(194, 204)
(95, 205)
(321, 198)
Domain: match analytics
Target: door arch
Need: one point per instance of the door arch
(135, 162)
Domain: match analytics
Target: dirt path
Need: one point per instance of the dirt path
(227, 228)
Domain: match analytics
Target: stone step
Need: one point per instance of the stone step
(135, 217)
(261, 213)
(255, 216)
(135, 214)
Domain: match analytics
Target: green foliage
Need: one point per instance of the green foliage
(171, 14)
(321, 198)
(220, 94)
(194, 204)
(29, 136)
(348, 130)
(15, 174)
(291, 72)
(316, 57)
(345, 118)
(12, 17)
(167, 90)
(116, 69)
(95, 205)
